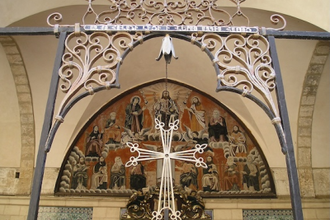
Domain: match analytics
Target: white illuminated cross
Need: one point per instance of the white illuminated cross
(166, 193)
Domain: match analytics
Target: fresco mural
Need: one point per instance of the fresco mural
(96, 161)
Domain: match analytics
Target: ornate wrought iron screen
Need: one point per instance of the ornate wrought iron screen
(244, 58)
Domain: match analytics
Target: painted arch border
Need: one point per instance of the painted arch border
(128, 192)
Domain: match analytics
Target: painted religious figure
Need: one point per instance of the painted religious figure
(188, 176)
(112, 134)
(196, 115)
(134, 115)
(237, 141)
(117, 175)
(80, 177)
(138, 179)
(217, 128)
(231, 176)
(250, 175)
(234, 160)
(94, 143)
(210, 179)
(166, 109)
(100, 175)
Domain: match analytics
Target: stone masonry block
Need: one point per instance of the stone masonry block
(27, 129)
(24, 97)
(310, 91)
(15, 59)
(27, 153)
(306, 183)
(319, 59)
(308, 100)
(281, 182)
(22, 88)
(113, 212)
(306, 111)
(12, 210)
(24, 210)
(312, 80)
(26, 175)
(304, 141)
(27, 118)
(21, 80)
(11, 49)
(309, 213)
(322, 50)
(26, 108)
(99, 213)
(18, 70)
(24, 186)
(2, 207)
(305, 121)
(304, 131)
(322, 181)
(28, 140)
(27, 163)
(315, 69)
(323, 214)
(5, 39)
(304, 157)
(222, 214)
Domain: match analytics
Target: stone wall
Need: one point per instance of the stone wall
(109, 208)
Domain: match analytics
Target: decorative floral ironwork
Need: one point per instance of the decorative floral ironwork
(166, 12)
(276, 19)
(90, 60)
(244, 63)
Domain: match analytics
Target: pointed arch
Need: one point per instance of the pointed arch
(305, 117)
(110, 144)
(25, 103)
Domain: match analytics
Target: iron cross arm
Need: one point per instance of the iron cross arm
(166, 193)
(166, 135)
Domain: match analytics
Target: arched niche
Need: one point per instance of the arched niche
(236, 164)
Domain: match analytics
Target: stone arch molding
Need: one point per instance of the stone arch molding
(27, 125)
(305, 118)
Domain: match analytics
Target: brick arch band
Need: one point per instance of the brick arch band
(27, 123)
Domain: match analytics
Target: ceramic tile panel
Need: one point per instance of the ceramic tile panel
(267, 214)
(65, 213)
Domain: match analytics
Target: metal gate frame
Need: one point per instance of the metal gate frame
(62, 33)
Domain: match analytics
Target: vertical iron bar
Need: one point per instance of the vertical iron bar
(42, 154)
(290, 157)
